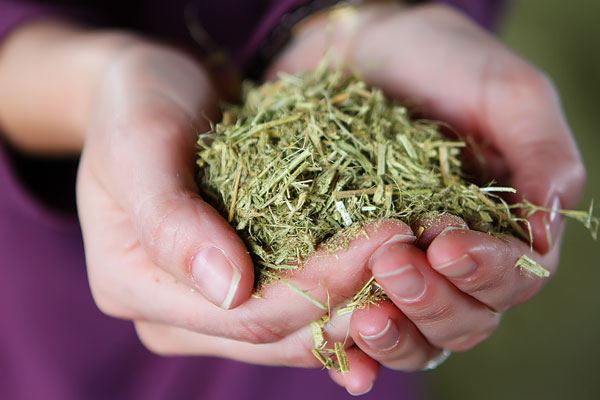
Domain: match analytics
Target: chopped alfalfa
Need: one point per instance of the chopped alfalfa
(529, 266)
(305, 157)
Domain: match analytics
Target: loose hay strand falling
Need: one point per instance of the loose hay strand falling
(531, 267)
(340, 353)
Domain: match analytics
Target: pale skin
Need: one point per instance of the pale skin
(134, 108)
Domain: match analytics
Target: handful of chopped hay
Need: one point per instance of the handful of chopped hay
(308, 156)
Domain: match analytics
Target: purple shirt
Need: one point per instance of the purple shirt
(54, 343)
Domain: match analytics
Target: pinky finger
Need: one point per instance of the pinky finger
(362, 375)
(389, 337)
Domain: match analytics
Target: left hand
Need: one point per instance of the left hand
(448, 291)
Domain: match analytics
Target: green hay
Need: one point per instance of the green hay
(309, 156)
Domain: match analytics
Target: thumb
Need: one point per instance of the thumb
(151, 175)
(185, 235)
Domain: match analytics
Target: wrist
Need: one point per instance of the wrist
(49, 72)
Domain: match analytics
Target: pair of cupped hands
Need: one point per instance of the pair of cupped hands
(159, 255)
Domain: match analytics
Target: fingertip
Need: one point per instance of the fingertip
(219, 279)
(454, 244)
(241, 285)
(391, 233)
(349, 255)
(372, 320)
(554, 180)
(220, 267)
(377, 327)
(362, 375)
(377, 234)
(547, 226)
(427, 229)
(360, 392)
(540, 232)
(399, 270)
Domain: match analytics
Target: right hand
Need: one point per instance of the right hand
(454, 287)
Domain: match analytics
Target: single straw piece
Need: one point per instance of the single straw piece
(531, 267)
(339, 205)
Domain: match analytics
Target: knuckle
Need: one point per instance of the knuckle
(161, 234)
(487, 283)
(105, 305)
(140, 120)
(105, 286)
(413, 364)
(108, 306)
(527, 84)
(256, 333)
(151, 340)
(106, 302)
(493, 322)
(105, 294)
(406, 357)
(467, 340)
(577, 177)
(162, 229)
(531, 291)
(510, 80)
(430, 314)
(298, 353)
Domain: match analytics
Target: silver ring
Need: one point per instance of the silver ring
(438, 360)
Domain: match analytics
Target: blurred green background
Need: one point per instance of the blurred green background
(549, 348)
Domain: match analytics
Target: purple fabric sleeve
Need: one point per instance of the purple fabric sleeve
(248, 28)
(485, 12)
(15, 13)
(263, 30)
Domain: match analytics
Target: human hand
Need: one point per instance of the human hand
(145, 229)
(134, 105)
(451, 287)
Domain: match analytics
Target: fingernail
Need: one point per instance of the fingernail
(451, 228)
(387, 339)
(459, 268)
(361, 393)
(553, 220)
(399, 239)
(215, 276)
(406, 282)
(407, 239)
